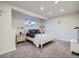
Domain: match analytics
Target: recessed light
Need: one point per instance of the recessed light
(50, 13)
(41, 8)
(56, 2)
(61, 10)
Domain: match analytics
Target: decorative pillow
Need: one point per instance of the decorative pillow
(34, 31)
(37, 31)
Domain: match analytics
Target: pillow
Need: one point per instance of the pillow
(32, 31)
(37, 31)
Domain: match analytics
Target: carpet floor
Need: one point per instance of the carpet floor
(54, 49)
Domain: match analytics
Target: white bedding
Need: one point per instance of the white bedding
(41, 39)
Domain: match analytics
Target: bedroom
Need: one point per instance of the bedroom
(56, 26)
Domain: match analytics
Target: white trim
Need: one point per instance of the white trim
(63, 39)
(68, 40)
(73, 40)
(7, 51)
(28, 12)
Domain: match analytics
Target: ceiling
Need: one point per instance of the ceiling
(17, 14)
(49, 7)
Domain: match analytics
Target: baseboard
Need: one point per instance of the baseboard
(62, 39)
(7, 51)
(73, 40)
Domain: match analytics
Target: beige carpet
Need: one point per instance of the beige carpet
(54, 49)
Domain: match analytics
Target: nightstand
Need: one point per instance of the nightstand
(20, 38)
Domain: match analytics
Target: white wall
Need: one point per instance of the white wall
(20, 22)
(5, 19)
(7, 34)
(16, 22)
(64, 30)
(7, 40)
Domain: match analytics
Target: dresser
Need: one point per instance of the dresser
(74, 44)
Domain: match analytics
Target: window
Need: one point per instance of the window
(30, 22)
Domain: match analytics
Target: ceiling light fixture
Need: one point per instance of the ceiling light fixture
(61, 10)
(50, 13)
(41, 8)
(56, 2)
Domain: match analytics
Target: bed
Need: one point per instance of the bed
(39, 38)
